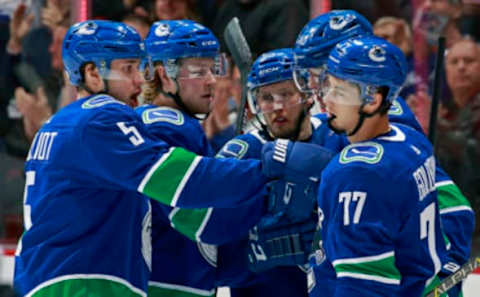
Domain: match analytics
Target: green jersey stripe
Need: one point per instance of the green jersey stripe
(190, 222)
(375, 278)
(449, 196)
(157, 289)
(74, 285)
(185, 179)
(378, 268)
(198, 235)
(364, 259)
(167, 178)
(454, 209)
(152, 170)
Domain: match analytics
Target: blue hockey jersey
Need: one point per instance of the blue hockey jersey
(379, 219)
(87, 224)
(201, 226)
(281, 281)
(457, 216)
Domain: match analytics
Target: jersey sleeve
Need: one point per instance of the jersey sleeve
(218, 225)
(120, 153)
(360, 231)
(457, 216)
(246, 146)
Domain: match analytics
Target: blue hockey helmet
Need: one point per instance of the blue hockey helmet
(317, 39)
(271, 67)
(180, 39)
(170, 40)
(99, 42)
(370, 62)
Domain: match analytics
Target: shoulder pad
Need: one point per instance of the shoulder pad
(100, 100)
(395, 108)
(367, 152)
(163, 114)
(235, 148)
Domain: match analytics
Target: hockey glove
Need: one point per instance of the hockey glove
(287, 245)
(295, 201)
(294, 161)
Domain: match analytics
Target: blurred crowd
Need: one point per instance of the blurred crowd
(33, 86)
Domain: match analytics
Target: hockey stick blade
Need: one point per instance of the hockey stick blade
(237, 44)
(455, 278)
(242, 56)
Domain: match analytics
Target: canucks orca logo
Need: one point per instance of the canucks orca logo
(163, 114)
(377, 54)
(395, 108)
(98, 101)
(339, 22)
(368, 152)
(87, 29)
(162, 30)
(235, 148)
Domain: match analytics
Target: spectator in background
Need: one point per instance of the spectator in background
(175, 10)
(458, 128)
(398, 32)
(140, 23)
(219, 126)
(439, 17)
(267, 24)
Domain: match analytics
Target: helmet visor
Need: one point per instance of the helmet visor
(309, 80)
(201, 68)
(266, 101)
(339, 91)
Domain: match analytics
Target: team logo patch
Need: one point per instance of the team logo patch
(368, 152)
(98, 101)
(147, 237)
(163, 114)
(395, 109)
(209, 252)
(235, 148)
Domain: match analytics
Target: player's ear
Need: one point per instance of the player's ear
(375, 104)
(92, 78)
(168, 84)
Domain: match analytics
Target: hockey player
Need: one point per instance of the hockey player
(283, 112)
(185, 62)
(378, 211)
(87, 221)
(313, 45)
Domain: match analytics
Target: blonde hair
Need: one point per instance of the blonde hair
(401, 26)
(151, 88)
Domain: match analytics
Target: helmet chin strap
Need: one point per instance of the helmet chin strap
(362, 116)
(104, 91)
(178, 100)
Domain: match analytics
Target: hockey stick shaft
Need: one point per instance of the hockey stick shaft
(455, 278)
(436, 89)
(242, 56)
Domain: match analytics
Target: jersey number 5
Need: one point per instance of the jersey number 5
(346, 198)
(136, 139)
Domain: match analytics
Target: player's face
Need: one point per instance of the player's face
(342, 100)
(281, 105)
(125, 80)
(196, 83)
